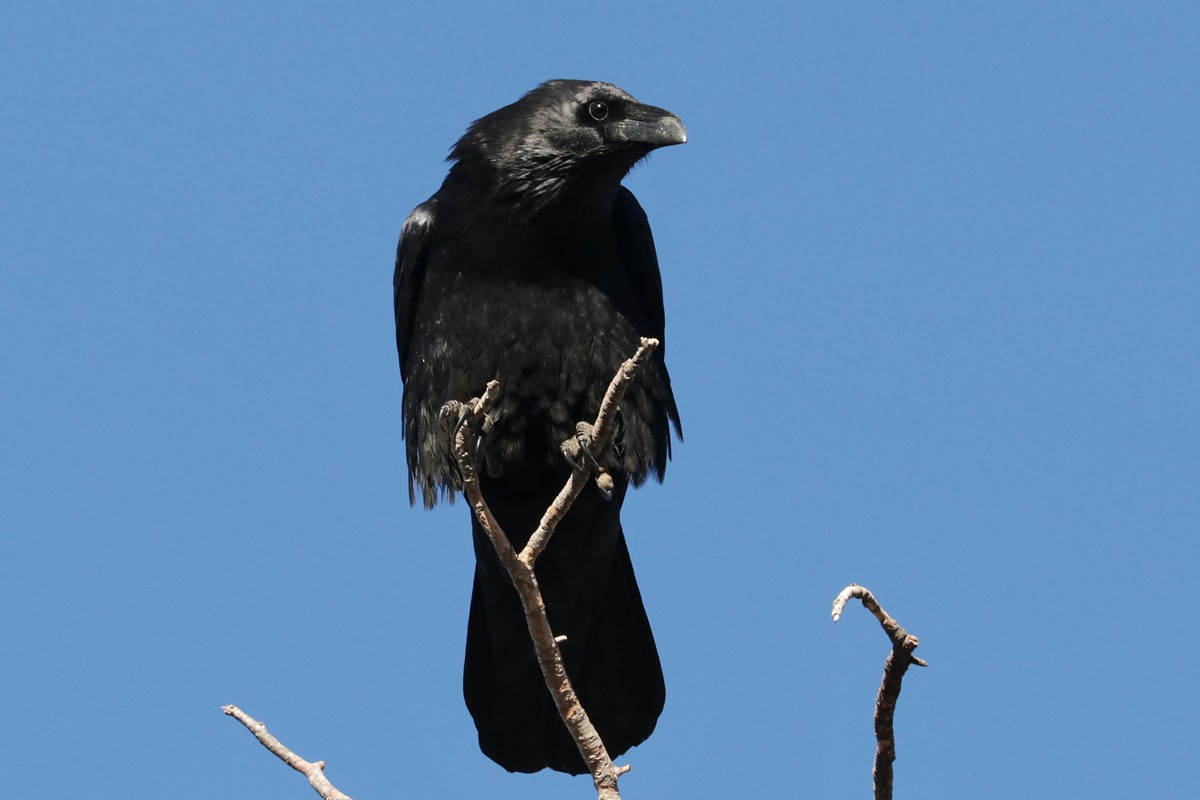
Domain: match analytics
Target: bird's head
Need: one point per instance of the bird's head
(562, 133)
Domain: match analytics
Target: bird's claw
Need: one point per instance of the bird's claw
(455, 414)
(578, 450)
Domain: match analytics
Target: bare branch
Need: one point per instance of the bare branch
(903, 643)
(602, 432)
(520, 567)
(313, 770)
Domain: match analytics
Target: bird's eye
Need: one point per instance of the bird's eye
(598, 110)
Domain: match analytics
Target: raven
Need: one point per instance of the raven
(533, 265)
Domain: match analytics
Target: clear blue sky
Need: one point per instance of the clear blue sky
(932, 278)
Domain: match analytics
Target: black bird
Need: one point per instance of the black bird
(534, 266)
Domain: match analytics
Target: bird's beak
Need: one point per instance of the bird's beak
(648, 125)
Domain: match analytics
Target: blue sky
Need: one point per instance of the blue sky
(932, 274)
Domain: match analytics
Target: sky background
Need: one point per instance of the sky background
(932, 278)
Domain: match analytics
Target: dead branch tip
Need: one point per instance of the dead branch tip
(313, 770)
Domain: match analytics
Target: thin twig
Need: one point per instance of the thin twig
(604, 428)
(520, 567)
(898, 661)
(313, 770)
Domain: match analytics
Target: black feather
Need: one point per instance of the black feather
(532, 265)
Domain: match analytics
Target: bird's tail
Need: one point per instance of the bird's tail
(592, 598)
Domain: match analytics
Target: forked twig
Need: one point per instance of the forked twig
(520, 566)
(520, 569)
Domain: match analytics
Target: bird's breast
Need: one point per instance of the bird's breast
(553, 341)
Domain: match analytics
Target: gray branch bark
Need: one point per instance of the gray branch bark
(897, 663)
(313, 770)
(520, 565)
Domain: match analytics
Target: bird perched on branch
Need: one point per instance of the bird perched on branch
(534, 266)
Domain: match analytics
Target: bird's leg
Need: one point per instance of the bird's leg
(578, 450)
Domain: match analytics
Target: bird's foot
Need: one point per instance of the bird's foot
(578, 451)
(455, 414)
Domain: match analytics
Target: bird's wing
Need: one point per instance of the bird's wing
(641, 267)
(411, 255)
(641, 261)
